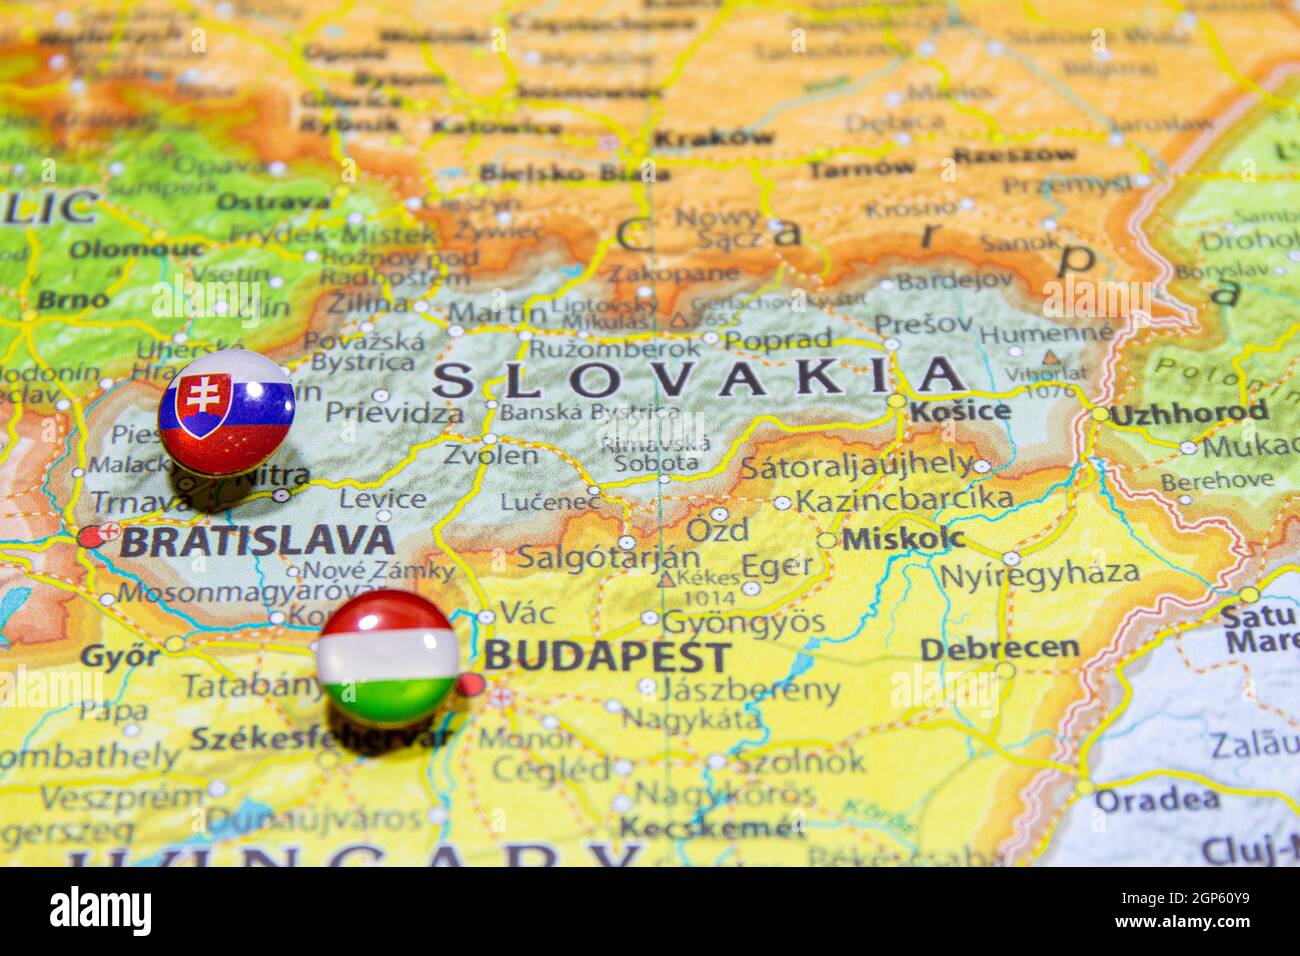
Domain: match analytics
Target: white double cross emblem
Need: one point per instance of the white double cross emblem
(203, 394)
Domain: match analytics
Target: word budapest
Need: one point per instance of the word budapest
(601, 380)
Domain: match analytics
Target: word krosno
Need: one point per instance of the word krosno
(1095, 299)
(49, 689)
(601, 380)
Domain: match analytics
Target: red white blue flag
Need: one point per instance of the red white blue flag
(226, 412)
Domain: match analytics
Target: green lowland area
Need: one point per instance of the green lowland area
(1235, 243)
(157, 207)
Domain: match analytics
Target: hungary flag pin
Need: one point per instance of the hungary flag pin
(387, 658)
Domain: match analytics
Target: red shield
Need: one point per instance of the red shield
(203, 402)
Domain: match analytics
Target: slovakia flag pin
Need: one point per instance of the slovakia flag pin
(226, 413)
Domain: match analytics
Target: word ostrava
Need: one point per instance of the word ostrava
(601, 380)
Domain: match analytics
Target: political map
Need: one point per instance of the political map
(838, 433)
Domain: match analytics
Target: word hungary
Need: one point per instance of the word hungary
(601, 380)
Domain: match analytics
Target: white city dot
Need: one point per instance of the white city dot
(486, 616)
(367, 326)
(1115, 139)
(782, 502)
(355, 219)
(105, 383)
(218, 788)
(1049, 224)
(489, 439)
(645, 292)
(280, 494)
(78, 472)
(1294, 255)
(525, 336)
(649, 617)
(893, 99)
(1188, 448)
(711, 338)
(593, 490)
(437, 816)
(106, 600)
(716, 761)
(311, 255)
(1015, 351)
(276, 168)
(982, 466)
(622, 803)
(903, 139)
(613, 706)
(627, 542)
(750, 588)
(413, 202)
(504, 218)
(1142, 180)
(292, 571)
(179, 337)
(665, 479)
(1011, 558)
(646, 685)
(996, 48)
(275, 282)
(550, 722)
(380, 394)
(58, 61)
(719, 514)
(1184, 499)
(925, 48)
(886, 284)
(63, 404)
(131, 730)
(775, 225)
(116, 169)
(623, 767)
(892, 344)
(383, 515)
(421, 306)
(455, 331)
(966, 203)
(277, 617)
